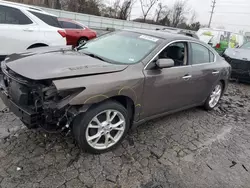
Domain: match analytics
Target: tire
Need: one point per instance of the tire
(81, 40)
(209, 105)
(86, 126)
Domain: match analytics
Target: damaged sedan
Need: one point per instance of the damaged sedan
(239, 59)
(111, 84)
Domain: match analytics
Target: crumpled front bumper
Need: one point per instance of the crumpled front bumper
(240, 68)
(29, 118)
(26, 115)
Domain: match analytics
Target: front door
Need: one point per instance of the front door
(171, 88)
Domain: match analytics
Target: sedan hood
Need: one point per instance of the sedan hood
(241, 54)
(57, 62)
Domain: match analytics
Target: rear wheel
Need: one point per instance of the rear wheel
(82, 41)
(214, 97)
(101, 128)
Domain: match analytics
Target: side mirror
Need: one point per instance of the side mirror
(210, 43)
(164, 63)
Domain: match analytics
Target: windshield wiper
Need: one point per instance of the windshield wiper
(94, 56)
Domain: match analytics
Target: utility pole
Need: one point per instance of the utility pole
(212, 12)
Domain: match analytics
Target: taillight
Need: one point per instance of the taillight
(217, 45)
(62, 33)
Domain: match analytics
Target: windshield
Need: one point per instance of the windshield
(121, 47)
(246, 46)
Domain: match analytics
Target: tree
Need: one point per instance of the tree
(158, 12)
(125, 10)
(178, 13)
(193, 17)
(119, 10)
(46, 3)
(162, 15)
(57, 4)
(146, 6)
(195, 26)
(84, 6)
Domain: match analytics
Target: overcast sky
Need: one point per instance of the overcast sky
(232, 14)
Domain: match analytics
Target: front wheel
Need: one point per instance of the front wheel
(101, 128)
(214, 97)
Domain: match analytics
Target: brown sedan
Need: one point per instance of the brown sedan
(105, 87)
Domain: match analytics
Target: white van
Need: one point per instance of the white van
(221, 39)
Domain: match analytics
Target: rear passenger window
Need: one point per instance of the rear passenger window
(50, 20)
(200, 54)
(69, 25)
(9, 15)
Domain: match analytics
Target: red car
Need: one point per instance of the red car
(76, 33)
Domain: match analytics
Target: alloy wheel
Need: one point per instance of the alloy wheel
(105, 129)
(215, 96)
(82, 41)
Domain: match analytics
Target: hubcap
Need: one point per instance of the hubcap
(105, 129)
(82, 42)
(215, 96)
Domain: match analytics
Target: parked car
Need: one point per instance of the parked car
(180, 31)
(239, 59)
(112, 84)
(23, 27)
(220, 39)
(76, 32)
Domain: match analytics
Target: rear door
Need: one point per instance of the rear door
(205, 70)
(15, 30)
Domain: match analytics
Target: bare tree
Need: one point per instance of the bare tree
(146, 6)
(119, 9)
(158, 12)
(84, 6)
(193, 17)
(161, 12)
(46, 3)
(178, 13)
(57, 4)
(125, 9)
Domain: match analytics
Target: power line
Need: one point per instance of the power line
(231, 24)
(232, 12)
(212, 12)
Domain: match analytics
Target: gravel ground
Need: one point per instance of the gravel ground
(193, 148)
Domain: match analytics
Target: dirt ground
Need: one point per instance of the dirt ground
(193, 148)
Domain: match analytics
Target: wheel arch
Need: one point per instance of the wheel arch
(37, 45)
(126, 101)
(224, 85)
(82, 37)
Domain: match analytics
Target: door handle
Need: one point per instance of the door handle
(215, 72)
(187, 77)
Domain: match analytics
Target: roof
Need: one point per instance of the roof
(24, 6)
(162, 34)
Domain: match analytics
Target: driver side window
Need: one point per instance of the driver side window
(177, 52)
